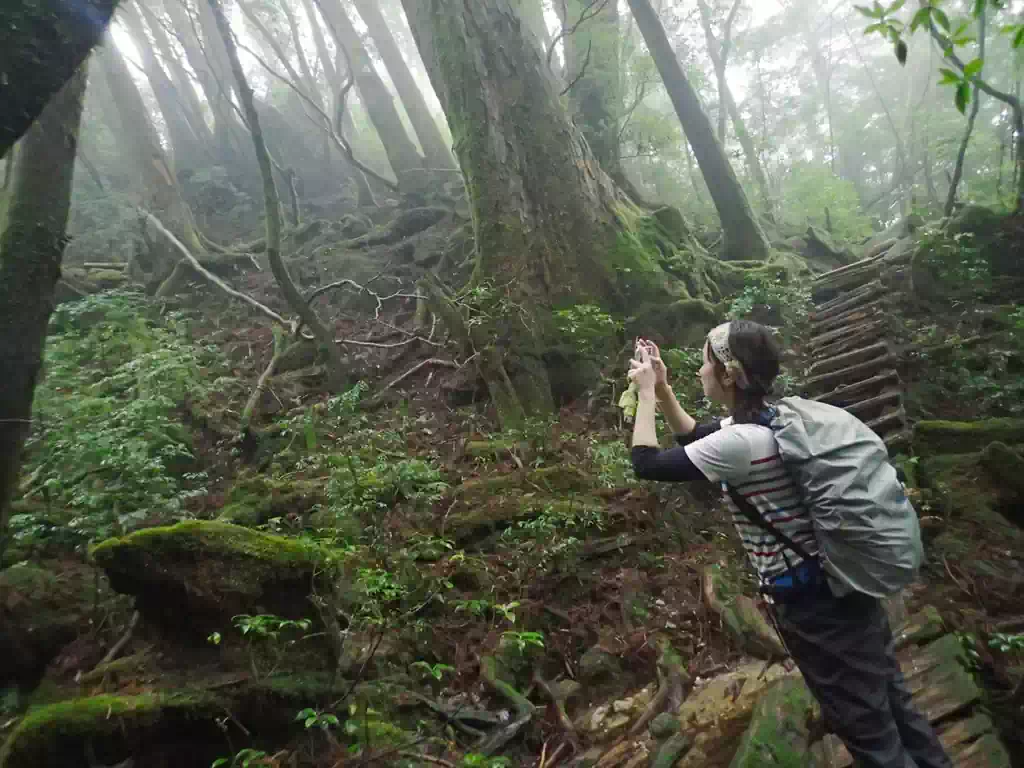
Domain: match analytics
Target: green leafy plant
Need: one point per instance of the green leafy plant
(590, 328)
(478, 760)
(108, 449)
(1006, 643)
(524, 641)
(314, 718)
(245, 758)
(269, 630)
(436, 671)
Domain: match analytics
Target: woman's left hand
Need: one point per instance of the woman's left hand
(642, 372)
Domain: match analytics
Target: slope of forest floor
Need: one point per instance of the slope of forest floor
(419, 581)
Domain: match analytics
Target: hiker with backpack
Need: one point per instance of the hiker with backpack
(823, 519)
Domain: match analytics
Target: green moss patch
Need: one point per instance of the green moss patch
(209, 571)
(931, 437)
(56, 734)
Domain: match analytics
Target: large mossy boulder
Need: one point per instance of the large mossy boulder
(43, 608)
(195, 575)
(114, 728)
(935, 436)
(256, 498)
(778, 732)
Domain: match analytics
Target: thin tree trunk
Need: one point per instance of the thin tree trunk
(300, 53)
(593, 74)
(729, 107)
(405, 159)
(31, 249)
(435, 150)
(187, 149)
(42, 44)
(272, 209)
(184, 89)
(158, 187)
(742, 234)
(958, 169)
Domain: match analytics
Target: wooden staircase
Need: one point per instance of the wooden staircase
(852, 358)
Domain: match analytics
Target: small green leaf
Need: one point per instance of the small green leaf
(941, 18)
(979, 7)
(1018, 39)
(949, 76)
(875, 13)
(879, 27)
(896, 6)
(901, 52)
(962, 97)
(973, 68)
(921, 17)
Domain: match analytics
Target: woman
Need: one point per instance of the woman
(841, 642)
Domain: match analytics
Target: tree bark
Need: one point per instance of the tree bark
(272, 206)
(31, 248)
(532, 14)
(188, 150)
(551, 228)
(435, 150)
(593, 74)
(158, 188)
(742, 234)
(728, 106)
(42, 44)
(405, 159)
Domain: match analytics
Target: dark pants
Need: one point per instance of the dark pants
(844, 648)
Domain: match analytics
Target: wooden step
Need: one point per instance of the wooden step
(858, 337)
(851, 374)
(849, 358)
(847, 301)
(867, 387)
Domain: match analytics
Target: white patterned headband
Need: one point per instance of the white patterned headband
(718, 338)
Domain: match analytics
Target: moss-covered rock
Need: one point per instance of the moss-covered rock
(934, 436)
(255, 498)
(114, 726)
(206, 572)
(1006, 466)
(778, 732)
(681, 324)
(42, 608)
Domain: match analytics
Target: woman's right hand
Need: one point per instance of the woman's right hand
(660, 371)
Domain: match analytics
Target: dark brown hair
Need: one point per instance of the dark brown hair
(754, 346)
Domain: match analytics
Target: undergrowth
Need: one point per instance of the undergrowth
(108, 449)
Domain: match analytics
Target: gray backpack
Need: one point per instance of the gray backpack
(867, 530)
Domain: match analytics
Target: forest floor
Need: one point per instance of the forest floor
(453, 547)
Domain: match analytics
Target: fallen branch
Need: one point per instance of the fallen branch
(417, 367)
(560, 713)
(117, 647)
(426, 758)
(193, 262)
(261, 384)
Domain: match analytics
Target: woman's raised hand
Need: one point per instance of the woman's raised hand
(642, 372)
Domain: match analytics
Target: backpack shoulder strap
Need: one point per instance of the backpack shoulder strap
(748, 511)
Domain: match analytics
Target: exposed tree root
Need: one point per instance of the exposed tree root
(523, 707)
(261, 384)
(563, 718)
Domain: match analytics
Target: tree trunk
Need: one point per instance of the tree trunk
(187, 148)
(742, 234)
(42, 44)
(186, 93)
(435, 150)
(31, 248)
(728, 106)
(532, 14)
(405, 159)
(593, 75)
(551, 228)
(202, 57)
(272, 209)
(158, 188)
(958, 169)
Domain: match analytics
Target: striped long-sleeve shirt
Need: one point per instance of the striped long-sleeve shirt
(745, 456)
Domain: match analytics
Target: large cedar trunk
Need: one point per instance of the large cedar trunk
(31, 248)
(158, 186)
(551, 227)
(406, 161)
(42, 43)
(743, 237)
(434, 148)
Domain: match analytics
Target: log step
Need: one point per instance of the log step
(850, 358)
